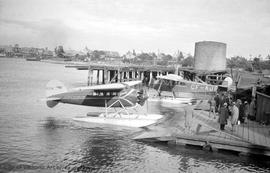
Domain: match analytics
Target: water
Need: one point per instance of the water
(35, 138)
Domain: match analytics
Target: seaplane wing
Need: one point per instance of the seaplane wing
(177, 78)
(110, 87)
(172, 77)
(98, 96)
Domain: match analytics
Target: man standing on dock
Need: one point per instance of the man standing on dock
(246, 111)
(235, 115)
(216, 98)
(223, 115)
(212, 103)
(188, 116)
(222, 100)
(252, 108)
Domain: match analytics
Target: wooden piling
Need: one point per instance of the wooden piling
(107, 73)
(105, 76)
(90, 76)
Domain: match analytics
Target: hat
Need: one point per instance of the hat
(233, 103)
(245, 102)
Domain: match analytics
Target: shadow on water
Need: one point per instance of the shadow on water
(53, 123)
(50, 123)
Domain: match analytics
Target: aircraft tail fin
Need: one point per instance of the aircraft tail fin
(53, 88)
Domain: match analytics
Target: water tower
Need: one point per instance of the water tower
(210, 56)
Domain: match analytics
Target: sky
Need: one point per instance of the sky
(143, 25)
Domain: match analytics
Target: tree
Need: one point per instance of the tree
(145, 57)
(97, 54)
(188, 61)
(167, 58)
(268, 57)
(180, 57)
(256, 63)
(59, 51)
(239, 62)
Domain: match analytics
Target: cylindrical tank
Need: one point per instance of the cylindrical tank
(210, 56)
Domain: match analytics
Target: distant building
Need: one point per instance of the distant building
(7, 50)
(47, 53)
(129, 55)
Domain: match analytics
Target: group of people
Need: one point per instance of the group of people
(230, 110)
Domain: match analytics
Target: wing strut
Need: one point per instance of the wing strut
(117, 112)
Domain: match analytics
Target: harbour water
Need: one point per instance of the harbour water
(35, 138)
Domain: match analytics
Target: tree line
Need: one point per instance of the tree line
(255, 64)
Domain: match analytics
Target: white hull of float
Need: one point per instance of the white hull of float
(132, 120)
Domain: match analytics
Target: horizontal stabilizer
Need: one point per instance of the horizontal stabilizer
(53, 88)
(51, 102)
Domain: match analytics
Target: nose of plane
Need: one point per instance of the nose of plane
(141, 97)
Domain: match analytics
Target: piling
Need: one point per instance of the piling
(110, 73)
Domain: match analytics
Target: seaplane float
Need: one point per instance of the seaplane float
(116, 98)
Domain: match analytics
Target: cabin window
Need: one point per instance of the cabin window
(104, 93)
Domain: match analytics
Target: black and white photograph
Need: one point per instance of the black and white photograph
(135, 86)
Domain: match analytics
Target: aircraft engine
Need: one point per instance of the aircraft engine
(141, 97)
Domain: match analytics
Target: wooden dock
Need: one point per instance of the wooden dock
(204, 132)
(102, 73)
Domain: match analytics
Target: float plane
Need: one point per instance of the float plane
(183, 89)
(115, 95)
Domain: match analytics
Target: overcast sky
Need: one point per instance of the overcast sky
(143, 25)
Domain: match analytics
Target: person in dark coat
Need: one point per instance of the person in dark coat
(246, 112)
(241, 108)
(221, 100)
(217, 102)
(223, 116)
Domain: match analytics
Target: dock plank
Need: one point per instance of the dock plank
(247, 138)
(250, 132)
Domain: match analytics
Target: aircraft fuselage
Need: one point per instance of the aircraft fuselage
(187, 89)
(96, 98)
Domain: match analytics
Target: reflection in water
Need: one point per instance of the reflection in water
(51, 123)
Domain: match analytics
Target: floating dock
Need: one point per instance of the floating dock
(204, 132)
